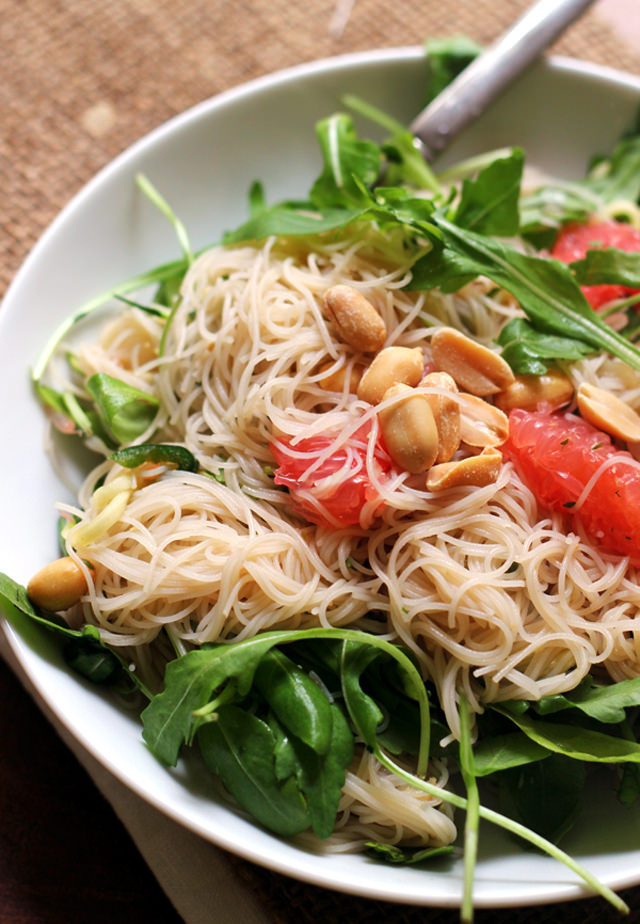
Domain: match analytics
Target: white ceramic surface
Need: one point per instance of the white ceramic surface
(203, 162)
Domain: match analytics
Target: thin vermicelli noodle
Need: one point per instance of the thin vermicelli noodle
(495, 597)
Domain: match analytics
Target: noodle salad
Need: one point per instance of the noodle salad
(363, 524)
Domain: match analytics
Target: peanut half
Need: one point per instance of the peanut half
(391, 365)
(552, 389)
(477, 471)
(473, 366)
(446, 413)
(57, 586)
(356, 320)
(408, 429)
(608, 412)
(481, 424)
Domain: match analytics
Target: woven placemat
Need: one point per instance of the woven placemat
(79, 82)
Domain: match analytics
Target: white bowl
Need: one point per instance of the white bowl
(562, 112)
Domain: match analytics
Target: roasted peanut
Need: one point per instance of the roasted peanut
(57, 586)
(477, 471)
(481, 424)
(408, 429)
(356, 320)
(391, 365)
(446, 413)
(473, 366)
(552, 389)
(608, 412)
(337, 380)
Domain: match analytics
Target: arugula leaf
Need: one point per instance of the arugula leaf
(608, 265)
(579, 743)
(299, 703)
(500, 752)
(605, 703)
(404, 163)
(321, 777)
(528, 350)
(546, 289)
(84, 651)
(406, 856)
(239, 748)
(126, 411)
(350, 163)
(177, 456)
(617, 176)
(192, 680)
(364, 711)
(546, 796)
(489, 203)
(611, 179)
(446, 59)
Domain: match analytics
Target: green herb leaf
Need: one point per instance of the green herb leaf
(504, 751)
(300, 705)
(239, 748)
(575, 741)
(608, 265)
(126, 411)
(528, 350)
(321, 776)
(406, 856)
(175, 456)
(446, 59)
(489, 204)
(546, 796)
(350, 163)
(605, 703)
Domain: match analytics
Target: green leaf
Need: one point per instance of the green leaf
(291, 219)
(163, 206)
(503, 751)
(300, 705)
(608, 265)
(545, 288)
(446, 59)
(174, 456)
(84, 650)
(406, 856)
(190, 682)
(489, 204)
(575, 741)
(321, 776)
(349, 164)
(363, 710)
(605, 703)
(239, 748)
(126, 411)
(405, 164)
(618, 176)
(89, 657)
(546, 796)
(528, 350)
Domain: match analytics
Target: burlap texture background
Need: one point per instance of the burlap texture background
(81, 80)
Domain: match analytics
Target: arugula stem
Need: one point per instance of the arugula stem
(510, 825)
(163, 206)
(159, 274)
(472, 817)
